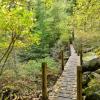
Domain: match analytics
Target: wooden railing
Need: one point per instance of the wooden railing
(44, 78)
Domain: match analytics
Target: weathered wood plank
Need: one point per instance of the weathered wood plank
(66, 86)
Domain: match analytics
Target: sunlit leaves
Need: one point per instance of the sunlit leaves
(86, 21)
(86, 14)
(16, 20)
(48, 3)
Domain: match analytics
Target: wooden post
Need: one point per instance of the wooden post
(79, 83)
(78, 52)
(44, 81)
(73, 37)
(70, 40)
(81, 55)
(62, 60)
(69, 52)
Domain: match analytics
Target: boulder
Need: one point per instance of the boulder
(91, 65)
(97, 71)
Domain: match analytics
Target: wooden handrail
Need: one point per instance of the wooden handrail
(44, 78)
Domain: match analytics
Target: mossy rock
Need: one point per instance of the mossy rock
(91, 65)
(98, 71)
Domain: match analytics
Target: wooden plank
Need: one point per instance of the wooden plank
(66, 86)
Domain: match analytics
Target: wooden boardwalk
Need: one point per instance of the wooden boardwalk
(66, 86)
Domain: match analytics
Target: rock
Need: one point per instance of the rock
(96, 75)
(97, 71)
(91, 65)
(88, 50)
(91, 77)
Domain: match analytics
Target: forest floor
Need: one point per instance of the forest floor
(25, 86)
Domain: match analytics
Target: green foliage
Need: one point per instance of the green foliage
(35, 31)
(33, 52)
(85, 21)
(15, 28)
(17, 20)
(93, 87)
(28, 78)
(52, 27)
(34, 67)
(86, 15)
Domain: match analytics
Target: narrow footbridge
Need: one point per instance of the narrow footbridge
(68, 86)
